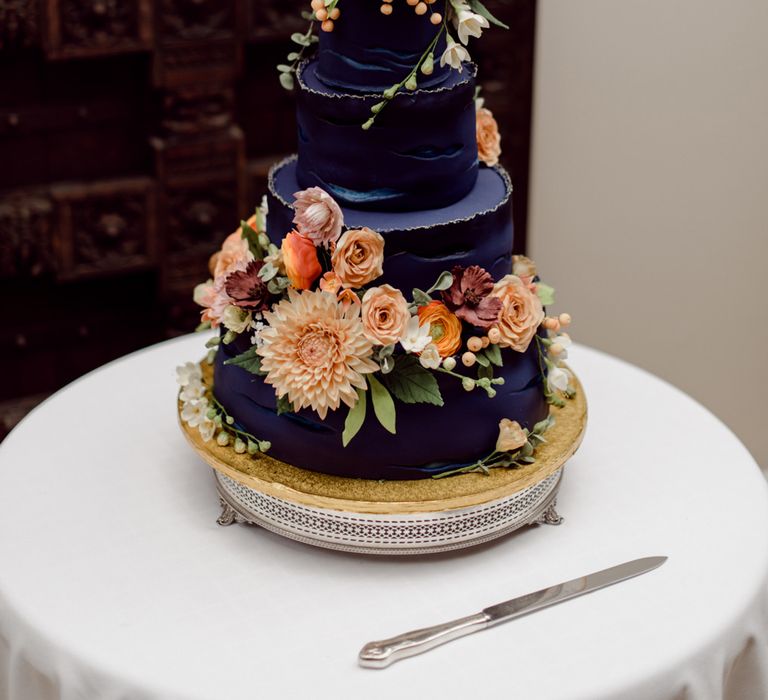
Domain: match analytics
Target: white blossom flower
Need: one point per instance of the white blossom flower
(558, 379)
(560, 345)
(258, 328)
(454, 55)
(193, 391)
(195, 412)
(236, 319)
(469, 24)
(416, 337)
(187, 373)
(430, 357)
(207, 428)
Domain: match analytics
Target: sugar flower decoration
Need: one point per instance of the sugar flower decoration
(213, 297)
(558, 378)
(430, 357)
(318, 216)
(188, 373)
(454, 55)
(359, 257)
(511, 436)
(469, 24)
(300, 260)
(247, 289)
(315, 351)
(488, 138)
(444, 327)
(521, 313)
(385, 315)
(416, 337)
(234, 255)
(469, 297)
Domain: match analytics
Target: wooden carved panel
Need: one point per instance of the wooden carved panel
(19, 24)
(196, 108)
(78, 28)
(26, 248)
(198, 41)
(275, 20)
(106, 227)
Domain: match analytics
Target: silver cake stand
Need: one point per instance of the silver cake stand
(395, 517)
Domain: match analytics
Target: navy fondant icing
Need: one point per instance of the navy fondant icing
(368, 52)
(477, 230)
(429, 439)
(421, 152)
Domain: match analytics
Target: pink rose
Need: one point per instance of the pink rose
(385, 315)
(318, 217)
(213, 297)
(521, 313)
(359, 257)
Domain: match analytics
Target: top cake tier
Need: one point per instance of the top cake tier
(368, 51)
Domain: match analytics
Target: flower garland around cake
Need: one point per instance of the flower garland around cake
(322, 334)
(466, 18)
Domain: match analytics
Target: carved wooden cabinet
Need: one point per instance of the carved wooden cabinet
(134, 135)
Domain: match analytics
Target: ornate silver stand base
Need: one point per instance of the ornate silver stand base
(389, 534)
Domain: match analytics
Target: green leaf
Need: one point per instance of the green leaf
(443, 282)
(213, 342)
(285, 69)
(485, 372)
(482, 360)
(421, 298)
(545, 293)
(249, 361)
(412, 383)
(483, 11)
(252, 237)
(383, 405)
(301, 39)
(493, 353)
(204, 326)
(286, 80)
(355, 418)
(284, 405)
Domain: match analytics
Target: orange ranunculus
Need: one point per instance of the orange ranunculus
(444, 327)
(330, 282)
(300, 258)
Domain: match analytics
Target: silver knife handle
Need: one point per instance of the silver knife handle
(382, 654)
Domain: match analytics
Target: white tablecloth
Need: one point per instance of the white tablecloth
(115, 581)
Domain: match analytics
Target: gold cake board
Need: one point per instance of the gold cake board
(393, 517)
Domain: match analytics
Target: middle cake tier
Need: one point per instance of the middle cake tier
(420, 153)
(420, 245)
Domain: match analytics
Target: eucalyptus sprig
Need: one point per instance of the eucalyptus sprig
(303, 41)
(425, 64)
(244, 442)
(499, 459)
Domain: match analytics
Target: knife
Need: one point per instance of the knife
(382, 654)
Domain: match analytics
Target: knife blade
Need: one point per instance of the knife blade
(386, 652)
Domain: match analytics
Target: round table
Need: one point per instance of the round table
(116, 582)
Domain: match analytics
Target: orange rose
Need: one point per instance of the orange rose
(488, 138)
(300, 259)
(358, 257)
(444, 327)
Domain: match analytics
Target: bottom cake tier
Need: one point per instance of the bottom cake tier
(393, 517)
(430, 439)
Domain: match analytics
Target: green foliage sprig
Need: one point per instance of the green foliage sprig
(517, 458)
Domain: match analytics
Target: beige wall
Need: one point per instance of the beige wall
(649, 205)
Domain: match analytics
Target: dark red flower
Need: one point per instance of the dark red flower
(469, 296)
(247, 289)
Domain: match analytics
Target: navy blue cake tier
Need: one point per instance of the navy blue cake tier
(420, 245)
(429, 439)
(421, 152)
(368, 52)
